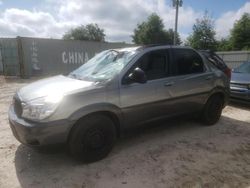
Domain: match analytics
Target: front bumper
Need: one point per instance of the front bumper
(37, 133)
(240, 94)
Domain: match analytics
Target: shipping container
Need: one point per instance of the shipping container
(35, 56)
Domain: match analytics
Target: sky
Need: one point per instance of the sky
(118, 18)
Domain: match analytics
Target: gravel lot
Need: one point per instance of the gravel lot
(176, 153)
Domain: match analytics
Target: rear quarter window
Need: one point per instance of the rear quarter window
(214, 59)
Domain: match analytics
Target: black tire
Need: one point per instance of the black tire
(92, 138)
(212, 110)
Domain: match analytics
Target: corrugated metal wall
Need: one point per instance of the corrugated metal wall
(234, 58)
(1, 63)
(52, 56)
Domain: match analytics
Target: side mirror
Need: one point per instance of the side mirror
(138, 76)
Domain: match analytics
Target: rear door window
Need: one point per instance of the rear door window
(187, 61)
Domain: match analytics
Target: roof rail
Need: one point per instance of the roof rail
(153, 45)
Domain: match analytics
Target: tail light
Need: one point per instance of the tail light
(227, 71)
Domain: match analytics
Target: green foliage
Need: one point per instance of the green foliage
(152, 32)
(240, 34)
(203, 35)
(90, 32)
(224, 45)
(170, 33)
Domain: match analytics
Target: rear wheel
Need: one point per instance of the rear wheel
(212, 110)
(92, 138)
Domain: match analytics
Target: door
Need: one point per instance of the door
(140, 102)
(191, 81)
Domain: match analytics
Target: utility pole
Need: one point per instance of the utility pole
(176, 4)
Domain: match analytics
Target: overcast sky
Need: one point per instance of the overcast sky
(52, 18)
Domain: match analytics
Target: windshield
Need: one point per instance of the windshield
(243, 68)
(104, 65)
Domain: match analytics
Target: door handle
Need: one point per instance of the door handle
(168, 84)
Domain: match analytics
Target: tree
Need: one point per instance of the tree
(171, 37)
(224, 45)
(203, 36)
(90, 32)
(152, 31)
(240, 34)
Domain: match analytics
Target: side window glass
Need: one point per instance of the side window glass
(154, 64)
(187, 61)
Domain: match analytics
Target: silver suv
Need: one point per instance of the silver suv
(116, 90)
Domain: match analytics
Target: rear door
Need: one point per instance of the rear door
(191, 80)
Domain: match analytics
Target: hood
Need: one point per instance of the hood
(57, 84)
(241, 78)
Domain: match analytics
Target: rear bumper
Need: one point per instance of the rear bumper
(36, 133)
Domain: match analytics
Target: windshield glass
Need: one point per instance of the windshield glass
(104, 65)
(243, 68)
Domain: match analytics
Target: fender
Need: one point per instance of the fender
(222, 90)
(98, 107)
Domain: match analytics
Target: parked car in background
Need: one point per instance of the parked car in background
(116, 90)
(240, 83)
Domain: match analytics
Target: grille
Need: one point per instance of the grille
(242, 86)
(17, 106)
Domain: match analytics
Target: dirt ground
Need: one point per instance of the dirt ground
(176, 153)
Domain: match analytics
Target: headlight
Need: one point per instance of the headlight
(41, 108)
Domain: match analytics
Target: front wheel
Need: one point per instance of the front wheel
(212, 110)
(92, 138)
